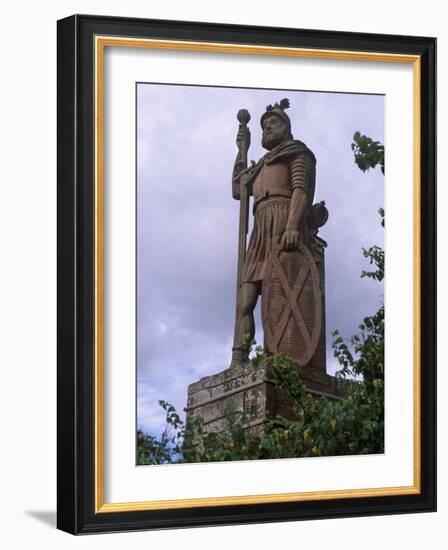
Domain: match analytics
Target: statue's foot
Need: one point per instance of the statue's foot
(240, 356)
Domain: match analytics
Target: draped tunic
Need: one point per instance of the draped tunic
(272, 181)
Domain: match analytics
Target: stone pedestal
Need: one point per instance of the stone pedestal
(243, 389)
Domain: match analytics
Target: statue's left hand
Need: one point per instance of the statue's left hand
(290, 239)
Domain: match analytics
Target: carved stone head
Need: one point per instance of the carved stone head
(275, 131)
(276, 125)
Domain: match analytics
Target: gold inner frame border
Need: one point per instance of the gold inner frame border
(100, 43)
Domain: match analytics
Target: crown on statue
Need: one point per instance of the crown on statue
(284, 104)
(278, 109)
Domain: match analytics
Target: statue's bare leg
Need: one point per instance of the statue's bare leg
(245, 324)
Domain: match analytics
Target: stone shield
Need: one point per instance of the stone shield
(291, 305)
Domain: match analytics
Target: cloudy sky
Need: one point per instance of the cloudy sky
(187, 225)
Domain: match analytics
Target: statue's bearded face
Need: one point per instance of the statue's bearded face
(275, 131)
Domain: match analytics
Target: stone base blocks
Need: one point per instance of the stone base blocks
(246, 389)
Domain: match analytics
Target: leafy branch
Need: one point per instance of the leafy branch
(368, 153)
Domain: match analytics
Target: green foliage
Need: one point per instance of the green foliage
(151, 450)
(166, 449)
(375, 255)
(317, 426)
(368, 153)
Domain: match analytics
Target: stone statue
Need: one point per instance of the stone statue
(282, 261)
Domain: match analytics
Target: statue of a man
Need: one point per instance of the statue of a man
(282, 184)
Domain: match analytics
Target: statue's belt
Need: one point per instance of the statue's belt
(266, 199)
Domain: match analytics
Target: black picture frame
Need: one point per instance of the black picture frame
(76, 475)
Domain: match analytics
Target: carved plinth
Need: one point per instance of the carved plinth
(243, 389)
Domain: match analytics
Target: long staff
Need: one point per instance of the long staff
(243, 117)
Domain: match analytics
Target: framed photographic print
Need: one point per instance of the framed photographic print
(246, 274)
